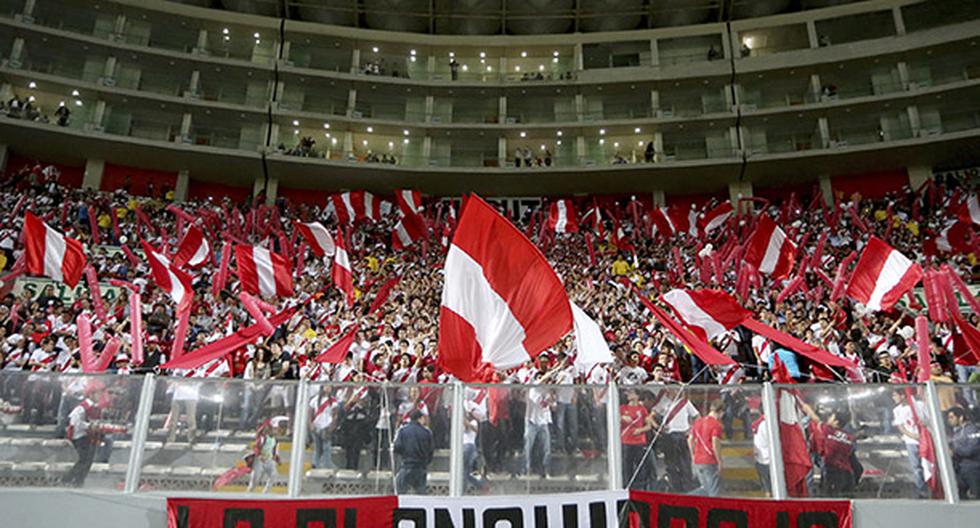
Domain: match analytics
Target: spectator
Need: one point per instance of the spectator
(413, 443)
(966, 452)
(705, 443)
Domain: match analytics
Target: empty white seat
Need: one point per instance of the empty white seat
(213, 471)
(99, 467)
(22, 442)
(153, 469)
(186, 471)
(30, 466)
(55, 442)
(320, 473)
(60, 467)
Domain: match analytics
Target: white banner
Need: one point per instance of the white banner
(35, 286)
(567, 509)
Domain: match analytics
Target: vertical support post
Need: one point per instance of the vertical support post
(777, 476)
(899, 20)
(140, 427)
(355, 61)
(811, 34)
(300, 430)
(92, 177)
(654, 53)
(944, 460)
(456, 443)
(614, 447)
(183, 182)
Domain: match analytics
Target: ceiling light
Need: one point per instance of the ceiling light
(32, 84)
(602, 141)
(616, 144)
(333, 141)
(374, 49)
(555, 60)
(326, 125)
(412, 53)
(256, 35)
(74, 93)
(412, 58)
(364, 142)
(452, 54)
(517, 68)
(558, 142)
(405, 131)
(602, 131)
(405, 141)
(483, 54)
(540, 67)
(637, 130)
(370, 129)
(465, 68)
(78, 103)
(524, 54)
(489, 68)
(224, 31)
(523, 134)
(559, 133)
(542, 147)
(295, 122)
(555, 53)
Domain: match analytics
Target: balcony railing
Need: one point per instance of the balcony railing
(178, 434)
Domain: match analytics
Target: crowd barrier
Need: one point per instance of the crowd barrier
(177, 435)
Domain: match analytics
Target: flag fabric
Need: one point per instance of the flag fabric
(769, 250)
(671, 221)
(593, 218)
(382, 296)
(707, 312)
(341, 272)
(167, 277)
(50, 253)
(338, 351)
(317, 237)
(796, 456)
(970, 210)
(410, 228)
(971, 338)
(716, 217)
(882, 276)
(263, 272)
(357, 205)
(502, 304)
(562, 217)
(590, 345)
(619, 237)
(193, 250)
(409, 202)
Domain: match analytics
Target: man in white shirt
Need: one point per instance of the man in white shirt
(474, 412)
(323, 412)
(677, 413)
(760, 450)
(537, 420)
(907, 420)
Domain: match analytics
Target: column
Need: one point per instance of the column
(430, 106)
(915, 122)
(654, 103)
(202, 42)
(736, 139)
(919, 175)
(730, 98)
(502, 68)
(430, 65)
(183, 182)
(351, 101)
(659, 198)
(109, 72)
(185, 128)
(258, 185)
(739, 190)
(816, 87)
(348, 145)
(284, 52)
(579, 107)
(502, 151)
(903, 75)
(29, 6)
(192, 87)
(824, 126)
(502, 109)
(826, 189)
(654, 53)
(355, 61)
(579, 57)
(4, 154)
(275, 94)
(658, 146)
(726, 44)
(899, 20)
(98, 115)
(92, 178)
(120, 27)
(6, 91)
(427, 150)
(15, 53)
(271, 190)
(811, 33)
(273, 134)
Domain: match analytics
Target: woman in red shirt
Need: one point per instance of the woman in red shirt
(636, 420)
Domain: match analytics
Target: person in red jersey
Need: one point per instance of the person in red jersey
(705, 444)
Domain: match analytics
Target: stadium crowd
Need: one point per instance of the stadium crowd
(398, 341)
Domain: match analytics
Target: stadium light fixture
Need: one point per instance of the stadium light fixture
(483, 54)
(555, 53)
(74, 93)
(224, 31)
(411, 52)
(602, 131)
(523, 134)
(326, 125)
(370, 129)
(559, 133)
(405, 132)
(602, 141)
(523, 54)
(636, 130)
(295, 122)
(405, 141)
(375, 49)
(32, 85)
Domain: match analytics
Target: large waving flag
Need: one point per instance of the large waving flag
(769, 250)
(194, 249)
(341, 272)
(562, 217)
(353, 206)
(882, 276)
(502, 304)
(263, 272)
(709, 312)
(50, 253)
(317, 236)
(715, 218)
(970, 210)
(167, 277)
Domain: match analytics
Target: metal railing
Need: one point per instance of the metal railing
(167, 434)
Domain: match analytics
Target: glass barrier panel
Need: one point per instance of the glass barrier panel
(369, 439)
(538, 439)
(962, 418)
(68, 430)
(695, 439)
(856, 441)
(219, 435)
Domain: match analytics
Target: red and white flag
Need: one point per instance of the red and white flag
(593, 218)
(167, 277)
(882, 276)
(970, 210)
(708, 312)
(263, 272)
(716, 217)
(318, 238)
(409, 228)
(769, 250)
(50, 253)
(409, 202)
(342, 273)
(502, 304)
(562, 217)
(194, 250)
(955, 238)
(356, 205)
(672, 221)
(337, 352)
